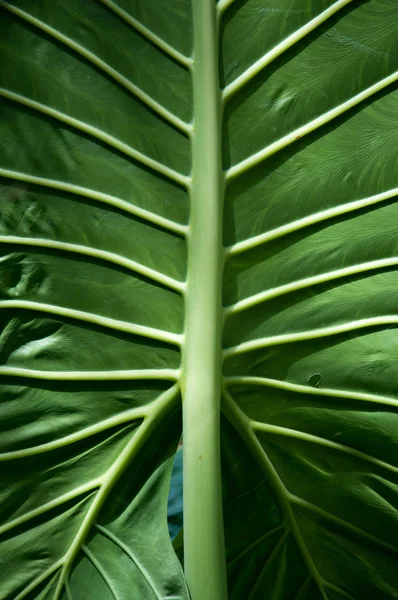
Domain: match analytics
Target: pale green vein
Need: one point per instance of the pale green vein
(86, 317)
(312, 334)
(306, 389)
(248, 492)
(255, 543)
(242, 424)
(304, 588)
(149, 35)
(111, 477)
(98, 134)
(345, 524)
(103, 255)
(103, 66)
(267, 563)
(117, 375)
(78, 190)
(258, 157)
(100, 570)
(131, 555)
(306, 282)
(68, 590)
(324, 215)
(338, 589)
(127, 416)
(39, 580)
(223, 5)
(282, 47)
(44, 508)
(314, 439)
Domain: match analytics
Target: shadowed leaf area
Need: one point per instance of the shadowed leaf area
(101, 212)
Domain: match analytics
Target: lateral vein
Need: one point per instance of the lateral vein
(100, 570)
(80, 315)
(255, 543)
(131, 555)
(267, 563)
(121, 375)
(103, 66)
(110, 478)
(304, 588)
(121, 419)
(78, 190)
(309, 335)
(39, 579)
(242, 423)
(103, 255)
(100, 135)
(149, 35)
(331, 517)
(75, 493)
(306, 282)
(306, 389)
(68, 590)
(287, 140)
(290, 41)
(315, 439)
(339, 590)
(324, 215)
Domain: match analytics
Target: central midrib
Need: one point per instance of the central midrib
(204, 553)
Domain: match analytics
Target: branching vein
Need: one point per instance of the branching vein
(307, 282)
(103, 66)
(149, 35)
(268, 562)
(121, 375)
(75, 493)
(314, 439)
(339, 590)
(38, 580)
(313, 334)
(86, 317)
(287, 140)
(110, 478)
(298, 35)
(318, 217)
(103, 255)
(303, 589)
(344, 524)
(68, 591)
(242, 424)
(306, 389)
(256, 543)
(126, 207)
(100, 570)
(131, 555)
(127, 416)
(100, 135)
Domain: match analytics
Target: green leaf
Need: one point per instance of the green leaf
(91, 309)
(198, 223)
(310, 295)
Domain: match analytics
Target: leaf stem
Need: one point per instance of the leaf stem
(204, 553)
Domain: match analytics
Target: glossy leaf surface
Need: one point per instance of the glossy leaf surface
(92, 260)
(98, 195)
(310, 288)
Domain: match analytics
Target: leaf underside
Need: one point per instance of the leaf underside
(96, 112)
